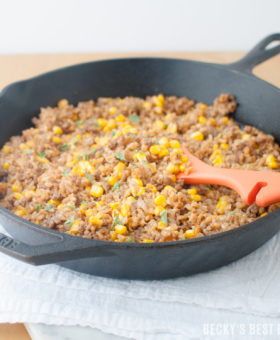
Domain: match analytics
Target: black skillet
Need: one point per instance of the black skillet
(259, 105)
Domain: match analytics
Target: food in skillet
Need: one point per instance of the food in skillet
(107, 169)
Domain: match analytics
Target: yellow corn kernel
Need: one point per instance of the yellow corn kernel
(102, 122)
(120, 229)
(110, 125)
(57, 130)
(162, 224)
(75, 227)
(113, 235)
(203, 106)
(182, 168)
(224, 146)
(42, 159)
(164, 141)
(146, 240)
(6, 149)
(95, 220)
(184, 158)
(172, 127)
(146, 105)
(273, 165)
(174, 178)
(212, 121)
(158, 110)
(159, 125)
(168, 117)
(120, 118)
(226, 120)
(158, 210)
(222, 203)
(28, 193)
(159, 100)
(189, 234)
(112, 180)
(155, 149)
(138, 181)
(160, 200)
(23, 146)
(6, 165)
(56, 140)
(163, 152)
(20, 211)
(198, 135)
(113, 110)
(62, 103)
(153, 167)
(120, 167)
(195, 198)
(83, 208)
(129, 200)
(97, 190)
(271, 162)
(138, 156)
(16, 187)
(99, 204)
(79, 137)
(202, 120)
(17, 195)
(245, 136)
(89, 212)
(86, 166)
(174, 144)
(218, 160)
(53, 202)
(125, 208)
(151, 187)
(172, 168)
(114, 205)
(192, 191)
(263, 214)
(215, 147)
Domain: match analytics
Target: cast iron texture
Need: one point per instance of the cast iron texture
(259, 105)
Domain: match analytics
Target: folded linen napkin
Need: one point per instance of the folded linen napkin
(243, 295)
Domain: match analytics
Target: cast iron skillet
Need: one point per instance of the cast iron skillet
(259, 105)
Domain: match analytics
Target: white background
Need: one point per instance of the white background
(36, 26)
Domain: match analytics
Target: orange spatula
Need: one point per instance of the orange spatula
(262, 187)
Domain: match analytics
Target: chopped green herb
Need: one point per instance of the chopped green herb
(80, 122)
(129, 239)
(183, 237)
(232, 212)
(76, 141)
(66, 232)
(84, 202)
(41, 154)
(28, 151)
(163, 215)
(120, 156)
(133, 164)
(209, 186)
(90, 177)
(69, 222)
(116, 221)
(65, 172)
(156, 142)
(65, 147)
(80, 157)
(93, 151)
(96, 124)
(70, 207)
(113, 133)
(49, 207)
(134, 118)
(38, 207)
(86, 156)
(116, 186)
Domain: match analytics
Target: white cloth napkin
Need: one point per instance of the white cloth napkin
(241, 299)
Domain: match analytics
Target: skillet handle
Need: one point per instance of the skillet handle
(64, 248)
(257, 54)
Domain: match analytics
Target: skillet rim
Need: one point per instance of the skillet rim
(118, 245)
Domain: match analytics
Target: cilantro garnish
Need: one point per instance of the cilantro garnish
(116, 186)
(134, 118)
(120, 156)
(163, 215)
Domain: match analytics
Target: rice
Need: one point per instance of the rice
(107, 169)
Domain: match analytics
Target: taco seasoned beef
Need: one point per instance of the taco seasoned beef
(107, 169)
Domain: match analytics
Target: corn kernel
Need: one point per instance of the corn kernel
(6, 149)
(28, 193)
(112, 180)
(53, 202)
(130, 199)
(155, 149)
(57, 130)
(56, 140)
(120, 166)
(83, 208)
(212, 121)
(146, 105)
(174, 178)
(120, 118)
(182, 168)
(158, 210)
(172, 127)
(203, 106)
(62, 103)
(164, 142)
(113, 110)
(146, 240)
(75, 227)
(20, 211)
(102, 122)
(163, 152)
(192, 191)
(195, 198)
(114, 205)
(125, 208)
(189, 234)
(97, 190)
(160, 200)
(110, 125)
(17, 195)
(42, 160)
(113, 235)
(198, 135)
(95, 220)
(218, 160)
(158, 110)
(89, 212)
(226, 120)
(273, 165)
(202, 120)
(224, 146)
(161, 224)
(245, 136)
(6, 165)
(139, 156)
(263, 214)
(184, 158)
(222, 203)
(120, 229)
(172, 168)
(16, 187)
(159, 100)
(151, 187)
(174, 144)
(159, 125)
